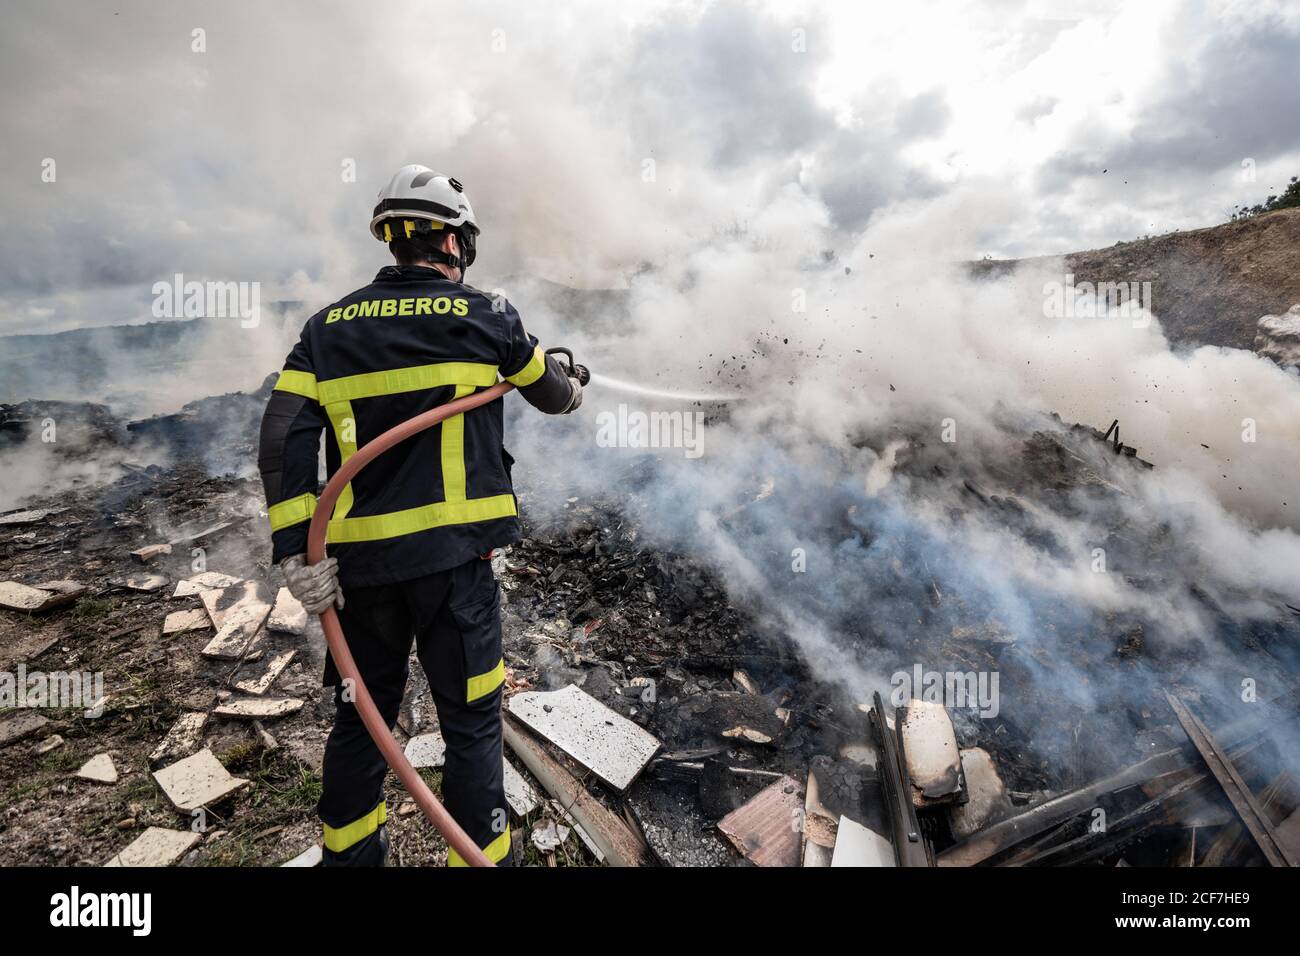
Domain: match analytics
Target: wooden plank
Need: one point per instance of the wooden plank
(1243, 801)
(618, 844)
(766, 830)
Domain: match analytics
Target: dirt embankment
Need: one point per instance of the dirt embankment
(1209, 286)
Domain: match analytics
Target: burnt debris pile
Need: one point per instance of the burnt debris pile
(667, 703)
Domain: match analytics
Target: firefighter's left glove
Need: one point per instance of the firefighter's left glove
(316, 586)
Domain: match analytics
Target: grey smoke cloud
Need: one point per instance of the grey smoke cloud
(226, 164)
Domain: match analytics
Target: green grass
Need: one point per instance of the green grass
(91, 609)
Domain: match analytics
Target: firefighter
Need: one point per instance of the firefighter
(410, 539)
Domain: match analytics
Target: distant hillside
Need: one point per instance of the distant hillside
(1209, 286)
(133, 366)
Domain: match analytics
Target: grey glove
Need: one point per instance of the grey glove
(316, 586)
(575, 395)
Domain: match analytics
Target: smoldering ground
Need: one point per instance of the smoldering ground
(896, 438)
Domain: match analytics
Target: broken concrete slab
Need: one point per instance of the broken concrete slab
(988, 801)
(856, 845)
(182, 739)
(29, 516)
(603, 741)
(766, 829)
(259, 708)
(99, 769)
(930, 748)
(520, 794)
(146, 583)
(205, 581)
(33, 600)
(52, 742)
(16, 726)
(308, 857)
(197, 781)
(157, 846)
(426, 750)
(178, 622)
(288, 616)
(238, 636)
(220, 603)
(262, 683)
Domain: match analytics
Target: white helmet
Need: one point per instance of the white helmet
(416, 202)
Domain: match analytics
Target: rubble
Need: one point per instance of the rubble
(288, 616)
(205, 581)
(548, 835)
(426, 750)
(23, 723)
(609, 745)
(99, 769)
(35, 600)
(930, 747)
(182, 739)
(147, 583)
(617, 844)
(178, 622)
(672, 706)
(307, 858)
(259, 708)
(988, 801)
(765, 829)
(521, 796)
(197, 781)
(26, 517)
(157, 846)
(274, 668)
(856, 845)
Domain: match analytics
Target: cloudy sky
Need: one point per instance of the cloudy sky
(598, 138)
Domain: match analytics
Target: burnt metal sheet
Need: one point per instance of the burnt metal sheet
(603, 741)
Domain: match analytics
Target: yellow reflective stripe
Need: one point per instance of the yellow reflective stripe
(339, 839)
(299, 383)
(484, 684)
(436, 515)
(292, 511)
(414, 379)
(344, 421)
(531, 372)
(453, 452)
(496, 851)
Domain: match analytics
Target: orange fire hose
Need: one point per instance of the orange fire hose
(456, 838)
